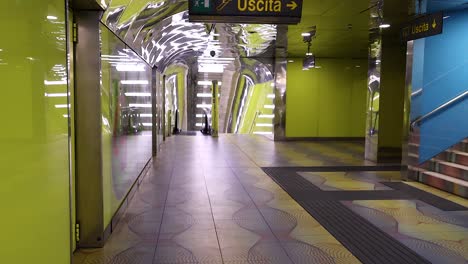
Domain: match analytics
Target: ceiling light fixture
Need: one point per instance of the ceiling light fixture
(207, 83)
(384, 25)
(138, 94)
(134, 82)
(130, 67)
(52, 17)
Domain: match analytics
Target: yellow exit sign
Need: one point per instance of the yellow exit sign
(424, 27)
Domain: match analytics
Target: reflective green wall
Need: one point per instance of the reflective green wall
(34, 181)
(328, 101)
(126, 120)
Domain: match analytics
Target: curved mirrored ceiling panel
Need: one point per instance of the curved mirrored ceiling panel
(160, 32)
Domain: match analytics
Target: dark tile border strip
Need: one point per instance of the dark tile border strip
(327, 139)
(364, 240)
(343, 168)
(426, 197)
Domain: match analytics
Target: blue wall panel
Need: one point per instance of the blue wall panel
(445, 76)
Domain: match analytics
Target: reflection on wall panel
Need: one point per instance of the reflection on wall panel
(126, 119)
(34, 181)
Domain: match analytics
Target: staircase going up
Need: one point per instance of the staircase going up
(447, 171)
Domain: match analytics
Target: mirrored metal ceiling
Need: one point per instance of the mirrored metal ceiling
(160, 32)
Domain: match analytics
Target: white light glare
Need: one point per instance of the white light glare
(269, 106)
(130, 67)
(63, 82)
(306, 34)
(384, 25)
(52, 17)
(266, 116)
(207, 83)
(147, 124)
(134, 82)
(211, 68)
(138, 94)
(204, 105)
(271, 96)
(264, 125)
(263, 133)
(201, 115)
(204, 95)
(62, 106)
(141, 105)
(56, 94)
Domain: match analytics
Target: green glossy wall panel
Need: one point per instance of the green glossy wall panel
(34, 165)
(329, 101)
(126, 120)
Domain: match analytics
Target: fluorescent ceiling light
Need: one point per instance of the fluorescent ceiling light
(263, 133)
(66, 116)
(147, 124)
(141, 105)
(202, 115)
(146, 115)
(384, 25)
(216, 59)
(309, 54)
(138, 94)
(264, 125)
(271, 96)
(207, 83)
(56, 94)
(266, 116)
(204, 105)
(130, 67)
(62, 106)
(199, 124)
(204, 95)
(211, 68)
(63, 82)
(290, 61)
(134, 82)
(52, 17)
(269, 106)
(305, 34)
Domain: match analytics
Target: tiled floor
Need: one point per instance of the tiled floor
(207, 200)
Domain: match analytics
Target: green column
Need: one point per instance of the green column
(215, 109)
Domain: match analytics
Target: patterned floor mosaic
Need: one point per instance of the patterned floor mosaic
(207, 200)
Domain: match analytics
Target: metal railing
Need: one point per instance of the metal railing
(416, 93)
(439, 109)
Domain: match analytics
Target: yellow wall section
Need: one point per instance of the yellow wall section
(34, 182)
(326, 102)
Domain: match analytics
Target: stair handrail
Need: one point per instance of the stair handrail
(416, 93)
(442, 107)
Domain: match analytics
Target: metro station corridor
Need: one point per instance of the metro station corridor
(233, 131)
(210, 201)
